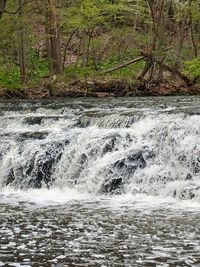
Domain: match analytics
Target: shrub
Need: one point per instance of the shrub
(37, 66)
(193, 67)
(9, 75)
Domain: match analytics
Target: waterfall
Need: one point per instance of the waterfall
(137, 146)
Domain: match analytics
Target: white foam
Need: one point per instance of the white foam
(85, 166)
(55, 196)
(65, 196)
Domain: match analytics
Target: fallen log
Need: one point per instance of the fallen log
(125, 64)
(149, 59)
(176, 72)
(172, 70)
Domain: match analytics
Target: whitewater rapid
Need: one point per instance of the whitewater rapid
(141, 146)
(110, 182)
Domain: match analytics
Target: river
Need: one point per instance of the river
(100, 182)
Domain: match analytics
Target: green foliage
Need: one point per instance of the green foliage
(9, 76)
(76, 71)
(37, 69)
(90, 13)
(129, 73)
(193, 67)
(37, 66)
(99, 35)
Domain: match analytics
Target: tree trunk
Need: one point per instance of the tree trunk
(176, 72)
(22, 52)
(66, 47)
(2, 7)
(145, 70)
(179, 47)
(89, 44)
(48, 47)
(54, 39)
(157, 16)
(194, 45)
(84, 48)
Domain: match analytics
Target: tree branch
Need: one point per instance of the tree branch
(125, 64)
(67, 45)
(19, 7)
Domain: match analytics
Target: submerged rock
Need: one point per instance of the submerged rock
(189, 192)
(37, 171)
(33, 135)
(121, 171)
(33, 120)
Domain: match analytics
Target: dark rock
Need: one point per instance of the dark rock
(121, 171)
(33, 135)
(11, 177)
(109, 147)
(39, 169)
(114, 186)
(83, 158)
(33, 120)
(195, 167)
(190, 192)
(188, 177)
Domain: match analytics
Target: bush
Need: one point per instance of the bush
(9, 76)
(129, 73)
(37, 67)
(193, 67)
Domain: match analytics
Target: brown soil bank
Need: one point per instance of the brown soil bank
(99, 89)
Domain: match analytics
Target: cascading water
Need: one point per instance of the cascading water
(89, 182)
(120, 147)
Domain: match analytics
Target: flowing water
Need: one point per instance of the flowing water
(110, 182)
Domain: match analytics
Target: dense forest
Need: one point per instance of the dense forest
(61, 47)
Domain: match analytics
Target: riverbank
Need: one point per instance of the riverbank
(99, 88)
